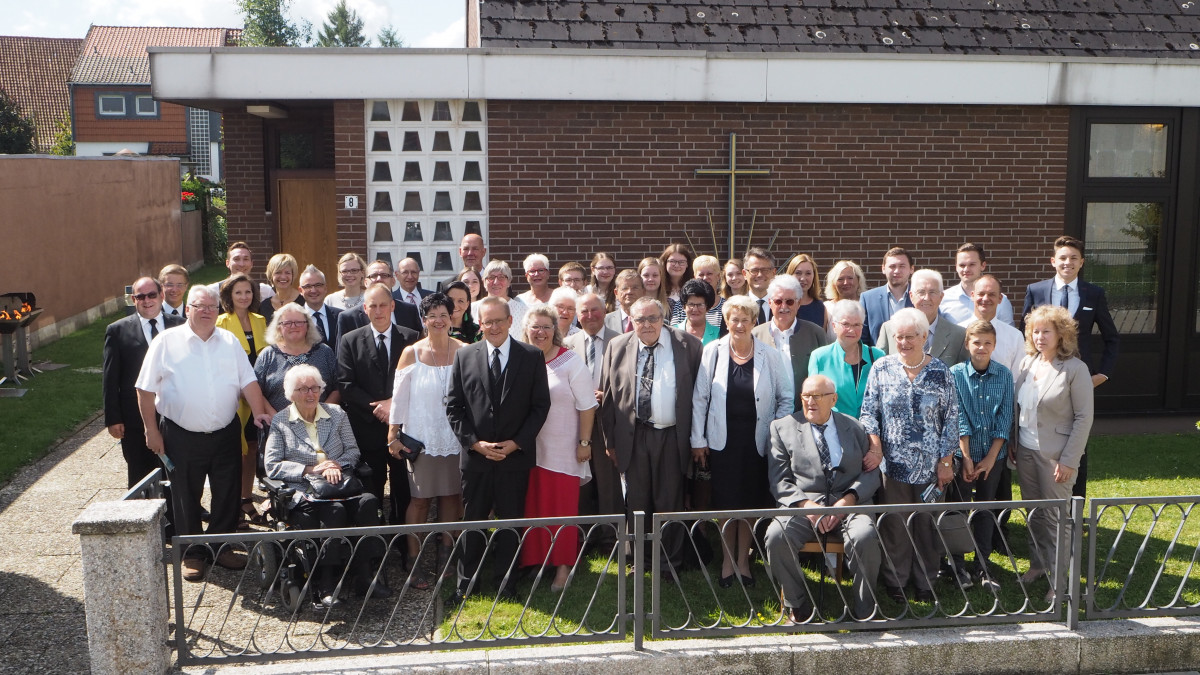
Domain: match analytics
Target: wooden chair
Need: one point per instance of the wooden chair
(834, 545)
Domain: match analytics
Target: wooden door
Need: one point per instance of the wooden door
(308, 224)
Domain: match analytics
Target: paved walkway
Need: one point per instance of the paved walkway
(42, 627)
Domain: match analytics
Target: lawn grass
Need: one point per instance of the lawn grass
(57, 401)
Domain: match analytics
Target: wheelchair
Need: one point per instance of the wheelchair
(289, 567)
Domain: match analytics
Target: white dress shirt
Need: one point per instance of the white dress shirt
(958, 305)
(783, 339)
(197, 383)
(831, 439)
(160, 320)
(663, 395)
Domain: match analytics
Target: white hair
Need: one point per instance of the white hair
(535, 257)
(910, 317)
(926, 274)
(297, 373)
(842, 308)
(201, 289)
(563, 293)
(312, 269)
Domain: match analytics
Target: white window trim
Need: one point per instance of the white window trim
(137, 106)
(110, 113)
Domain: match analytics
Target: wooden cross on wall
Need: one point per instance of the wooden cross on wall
(733, 172)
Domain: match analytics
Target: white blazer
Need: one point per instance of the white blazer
(773, 395)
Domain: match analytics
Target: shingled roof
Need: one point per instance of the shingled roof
(1079, 28)
(117, 54)
(34, 72)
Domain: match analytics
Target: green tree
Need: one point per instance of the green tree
(64, 144)
(267, 25)
(387, 37)
(343, 28)
(16, 128)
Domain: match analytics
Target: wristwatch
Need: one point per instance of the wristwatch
(585, 442)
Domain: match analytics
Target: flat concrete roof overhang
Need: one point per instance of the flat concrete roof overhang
(227, 76)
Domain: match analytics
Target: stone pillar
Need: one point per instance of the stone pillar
(124, 588)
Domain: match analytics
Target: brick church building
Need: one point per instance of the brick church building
(574, 127)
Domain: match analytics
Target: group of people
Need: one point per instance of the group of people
(679, 383)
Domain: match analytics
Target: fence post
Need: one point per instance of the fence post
(1075, 576)
(639, 579)
(124, 590)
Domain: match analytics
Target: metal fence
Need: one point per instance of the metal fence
(150, 487)
(306, 593)
(1143, 557)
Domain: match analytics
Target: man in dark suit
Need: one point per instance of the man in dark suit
(404, 314)
(367, 359)
(628, 288)
(125, 344)
(602, 494)
(947, 341)
(313, 290)
(646, 413)
(499, 398)
(881, 302)
(1089, 307)
(816, 460)
(795, 339)
(408, 274)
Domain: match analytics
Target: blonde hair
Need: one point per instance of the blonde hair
(813, 291)
(281, 261)
(1066, 327)
(831, 289)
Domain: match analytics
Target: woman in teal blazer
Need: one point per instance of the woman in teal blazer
(847, 361)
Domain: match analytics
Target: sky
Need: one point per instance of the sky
(420, 23)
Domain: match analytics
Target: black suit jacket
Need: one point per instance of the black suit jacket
(405, 314)
(124, 349)
(518, 415)
(359, 376)
(1092, 311)
(333, 315)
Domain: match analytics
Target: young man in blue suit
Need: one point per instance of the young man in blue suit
(881, 302)
(1089, 307)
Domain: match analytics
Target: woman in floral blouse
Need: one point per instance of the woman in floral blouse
(910, 411)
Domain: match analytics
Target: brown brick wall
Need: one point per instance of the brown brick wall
(848, 181)
(171, 124)
(245, 187)
(350, 173)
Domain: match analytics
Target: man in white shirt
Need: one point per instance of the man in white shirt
(408, 288)
(601, 495)
(793, 338)
(537, 273)
(193, 376)
(312, 289)
(758, 266)
(1010, 342)
(627, 288)
(970, 262)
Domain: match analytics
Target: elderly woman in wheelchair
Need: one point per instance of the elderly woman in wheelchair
(310, 460)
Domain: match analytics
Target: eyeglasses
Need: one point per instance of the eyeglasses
(696, 305)
(537, 271)
(605, 268)
(203, 308)
(676, 263)
(292, 324)
(781, 302)
(926, 293)
(849, 326)
(540, 329)
(643, 320)
(354, 270)
(309, 287)
(496, 277)
(152, 295)
(379, 275)
(813, 397)
(307, 390)
(174, 286)
(755, 271)
(493, 322)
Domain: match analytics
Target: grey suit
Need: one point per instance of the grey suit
(806, 337)
(797, 477)
(602, 494)
(949, 341)
(612, 321)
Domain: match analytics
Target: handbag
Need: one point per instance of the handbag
(349, 486)
(412, 447)
(954, 528)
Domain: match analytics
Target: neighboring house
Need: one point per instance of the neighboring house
(579, 127)
(34, 72)
(115, 110)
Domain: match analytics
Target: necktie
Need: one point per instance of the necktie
(628, 325)
(823, 448)
(1066, 294)
(646, 390)
(381, 354)
(321, 326)
(153, 328)
(174, 312)
(496, 375)
(762, 311)
(590, 356)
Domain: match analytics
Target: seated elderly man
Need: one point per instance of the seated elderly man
(816, 460)
(310, 439)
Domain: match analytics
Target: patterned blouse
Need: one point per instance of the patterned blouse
(916, 421)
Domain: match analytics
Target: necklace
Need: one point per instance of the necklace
(740, 356)
(916, 367)
(442, 371)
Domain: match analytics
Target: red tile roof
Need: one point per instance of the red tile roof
(34, 72)
(117, 54)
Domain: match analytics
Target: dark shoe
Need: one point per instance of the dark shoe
(725, 582)
(456, 600)
(193, 569)
(923, 595)
(231, 559)
(895, 593)
(747, 581)
(964, 579)
(945, 571)
(508, 593)
(793, 616)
